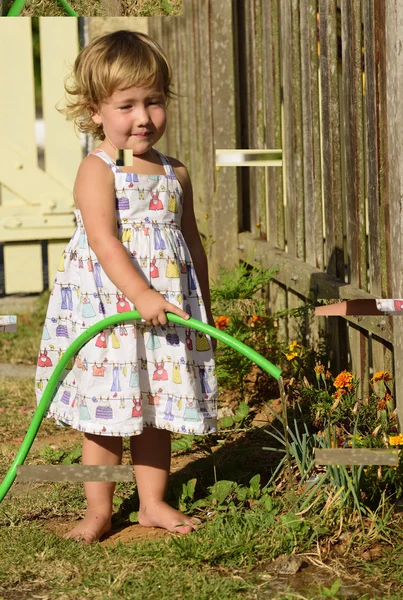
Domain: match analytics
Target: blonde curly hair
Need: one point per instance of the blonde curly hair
(117, 60)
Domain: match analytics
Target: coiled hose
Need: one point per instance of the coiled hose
(18, 5)
(82, 339)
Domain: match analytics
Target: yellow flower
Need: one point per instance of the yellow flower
(291, 355)
(396, 440)
(319, 369)
(381, 376)
(294, 345)
(343, 379)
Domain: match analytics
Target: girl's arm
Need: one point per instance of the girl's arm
(192, 237)
(94, 194)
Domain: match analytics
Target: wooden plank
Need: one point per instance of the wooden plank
(255, 113)
(30, 183)
(225, 199)
(330, 119)
(63, 151)
(292, 133)
(17, 100)
(272, 99)
(394, 91)
(72, 473)
(356, 456)
(16, 41)
(353, 143)
(204, 197)
(372, 153)
(311, 134)
(353, 172)
(23, 268)
(305, 279)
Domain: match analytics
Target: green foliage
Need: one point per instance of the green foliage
(54, 456)
(241, 282)
(183, 443)
(238, 419)
(332, 592)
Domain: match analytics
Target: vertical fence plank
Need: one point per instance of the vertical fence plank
(277, 294)
(272, 99)
(225, 210)
(311, 134)
(207, 173)
(292, 129)
(253, 112)
(376, 230)
(311, 140)
(63, 152)
(331, 184)
(354, 171)
(331, 164)
(394, 87)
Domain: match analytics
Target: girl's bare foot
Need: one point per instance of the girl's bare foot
(160, 514)
(91, 528)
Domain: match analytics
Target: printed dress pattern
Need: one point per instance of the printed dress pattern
(130, 376)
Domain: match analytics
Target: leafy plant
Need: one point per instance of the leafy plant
(240, 282)
(53, 456)
(242, 412)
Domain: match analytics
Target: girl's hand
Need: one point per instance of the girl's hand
(152, 307)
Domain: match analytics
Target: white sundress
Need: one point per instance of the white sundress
(130, 376)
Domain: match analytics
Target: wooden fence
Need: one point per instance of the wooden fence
(321, 79)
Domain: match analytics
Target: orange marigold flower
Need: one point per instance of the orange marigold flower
(343, 379)
(319, 369)
(340, 392)
(381, 376)
(222, 322)
(396, 440)
(382, 405)
(328, 375)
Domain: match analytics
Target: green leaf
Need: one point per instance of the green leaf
(182, 444)
(255, 484)
(221, 490)
(242, 493)
(243, 410)
(226, 422)
(291, 521)
(268, 503)
(191, 487)
(72, 456)
(200, 503)
(134, 517)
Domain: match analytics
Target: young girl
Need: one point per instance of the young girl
(136, 246)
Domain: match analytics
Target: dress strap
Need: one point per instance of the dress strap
(167, 165)
(106, 158)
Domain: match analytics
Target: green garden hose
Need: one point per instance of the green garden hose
(75, 346)
(18, 5)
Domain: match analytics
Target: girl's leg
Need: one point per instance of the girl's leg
(98, 450)
(151, 456)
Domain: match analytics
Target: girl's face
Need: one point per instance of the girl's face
(133, 118)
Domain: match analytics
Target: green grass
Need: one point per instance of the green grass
(129, 8)
(22, 347)
(230, 556)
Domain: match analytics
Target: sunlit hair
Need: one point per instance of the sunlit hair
(117, 60)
